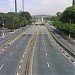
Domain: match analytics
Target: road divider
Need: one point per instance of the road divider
(26, 58)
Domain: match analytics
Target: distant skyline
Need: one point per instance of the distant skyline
(36, 7)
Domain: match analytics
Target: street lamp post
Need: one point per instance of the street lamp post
(70, 31)
(3, 30)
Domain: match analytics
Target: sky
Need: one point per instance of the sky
(36, 7)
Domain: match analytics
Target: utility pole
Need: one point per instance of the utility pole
(73, 2)
(15, 6)
(3, 30)
(23, 5)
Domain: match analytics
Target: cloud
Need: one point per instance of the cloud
(37, 6)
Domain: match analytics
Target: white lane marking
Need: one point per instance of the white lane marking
(46, 54)
(20, 66)
(24, 52)
(2, 49)
(21, 60)
(10, 43)
(26, 49)
(6, 47)
(21, 41)
(43, 38)
(44, 44)
(10, 53)
(48, 64)
(23, 55)
(17, 73)
(69, 57)
(1, 66)
(65, 53)
(17, 46)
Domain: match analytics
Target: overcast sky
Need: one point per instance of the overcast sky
(36, 7)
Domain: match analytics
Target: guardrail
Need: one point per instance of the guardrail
(65, 48)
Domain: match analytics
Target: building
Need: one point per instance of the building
(73, 2)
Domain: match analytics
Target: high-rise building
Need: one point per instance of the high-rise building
(73, 2)
(15, 6)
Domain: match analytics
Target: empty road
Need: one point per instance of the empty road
(48, 59)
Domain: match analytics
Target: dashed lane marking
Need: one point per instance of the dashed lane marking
(17, 73)
(46, 54)
(44, 44)
(1, 66)
(48, 65)
(23, 55)
(20, 66)
(24, 52)
(21, 60)
(10, 53)
(26, 49)
(2, 49)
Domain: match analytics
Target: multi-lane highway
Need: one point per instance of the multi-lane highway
(10, 58)
(10, 36)
(47, 59)
(65, 42)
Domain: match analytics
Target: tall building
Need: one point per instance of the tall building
(15, 6)
(73, 2)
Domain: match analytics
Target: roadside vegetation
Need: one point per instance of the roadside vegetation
(65, 21)
(13, 20)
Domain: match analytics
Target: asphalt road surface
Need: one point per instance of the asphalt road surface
(65, 42)
(10, 36)
(49, 60)
(10, 58)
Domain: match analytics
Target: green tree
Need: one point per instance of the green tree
(26, 15)
(68, 15)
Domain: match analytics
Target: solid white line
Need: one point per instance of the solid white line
(48, 64)
(10, 53)
(1, 66)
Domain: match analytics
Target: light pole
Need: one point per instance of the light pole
(15, 6)
(3, 30)
(23, 5)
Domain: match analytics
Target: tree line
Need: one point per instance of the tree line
(13, 20)
(66, 21)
